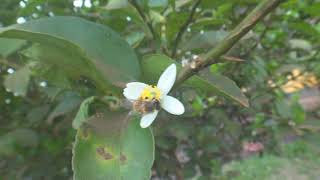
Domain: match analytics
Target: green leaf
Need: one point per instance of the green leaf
(68, 102)
(158, 3)
(83, 113)
(300, 44)
(313, 10)
(135, 38)
(205, 22)
(18, 82)
(117, 4)
(37, 114)
(17, 138)
(175, 21)
(153, 65)
(126, 19)
(156, 17)
(305, 28)
(283, 108)
(92, 50)
(9, 46)
(298, 114)
(205, 40)
(108, 146)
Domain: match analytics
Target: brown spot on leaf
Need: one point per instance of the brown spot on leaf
(103, 153)
(107, 126)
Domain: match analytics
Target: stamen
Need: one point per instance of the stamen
(150, 92)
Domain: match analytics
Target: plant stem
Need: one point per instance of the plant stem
(263, 8)
(183, 28)
(145, 18)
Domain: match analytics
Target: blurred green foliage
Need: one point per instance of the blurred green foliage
(279, 75)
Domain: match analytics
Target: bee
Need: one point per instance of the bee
(146, 106)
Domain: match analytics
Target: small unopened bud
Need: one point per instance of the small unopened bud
(193, 65)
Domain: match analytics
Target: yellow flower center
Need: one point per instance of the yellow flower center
(150, 92)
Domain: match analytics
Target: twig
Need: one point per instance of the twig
(184, 28)
(144, 17)
(263, 8)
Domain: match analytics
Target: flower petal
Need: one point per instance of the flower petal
(172, 105)
(133, 90)
(167, 79)
(147, 119)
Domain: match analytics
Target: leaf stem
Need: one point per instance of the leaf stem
(262, 9)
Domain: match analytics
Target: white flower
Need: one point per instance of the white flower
(137, 92)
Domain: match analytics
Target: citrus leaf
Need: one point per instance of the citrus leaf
(153, 65)
(21, 137)
(9, 46)
(18, 81)
(108, 146)
(204, 40)
(68, 102)
(83, 113)
(92, 50)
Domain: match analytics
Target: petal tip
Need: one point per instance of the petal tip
(147, 119)
(173, 67)
(143, 126)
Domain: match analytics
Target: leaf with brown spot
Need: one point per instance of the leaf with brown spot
(116, 148)
(102, 151)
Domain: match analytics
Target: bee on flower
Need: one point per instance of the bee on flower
(149, 99)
